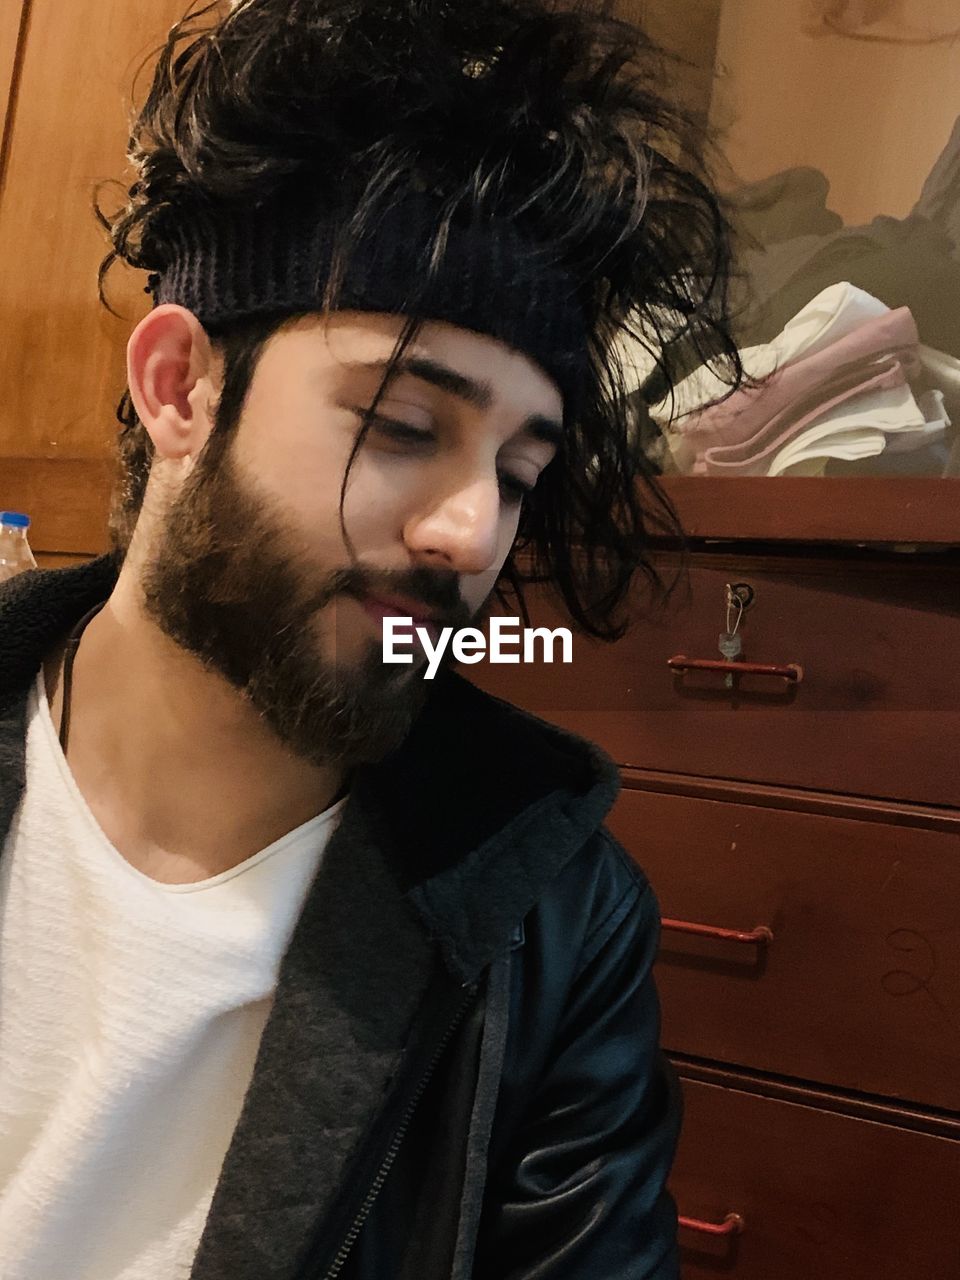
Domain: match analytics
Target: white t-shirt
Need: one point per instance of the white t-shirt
(130, 1016)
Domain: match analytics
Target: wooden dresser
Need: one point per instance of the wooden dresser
(802, 831)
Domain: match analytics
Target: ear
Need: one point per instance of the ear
(169, 370)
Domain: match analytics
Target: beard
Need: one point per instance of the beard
(224, 583)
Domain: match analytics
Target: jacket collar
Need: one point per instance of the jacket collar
(441, 850)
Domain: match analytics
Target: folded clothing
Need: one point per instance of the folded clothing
(866, 433)
(882, 348)
(835, 312)
(875, 387)
(834, 385)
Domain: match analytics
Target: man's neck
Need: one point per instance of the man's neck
(181, 774)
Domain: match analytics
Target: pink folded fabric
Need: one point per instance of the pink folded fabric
(753, 456)
(740, 417)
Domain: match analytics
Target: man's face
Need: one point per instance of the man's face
(250, 571)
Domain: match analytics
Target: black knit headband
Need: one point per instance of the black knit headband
(230, 263)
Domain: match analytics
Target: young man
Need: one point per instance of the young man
(310, 967)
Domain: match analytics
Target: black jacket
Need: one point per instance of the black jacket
(460, 1075)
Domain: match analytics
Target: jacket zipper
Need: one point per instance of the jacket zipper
(400, 1132)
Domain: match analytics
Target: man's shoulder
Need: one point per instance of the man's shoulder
(601, 891)
(604, 874)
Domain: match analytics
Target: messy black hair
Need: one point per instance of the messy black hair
(551, 114)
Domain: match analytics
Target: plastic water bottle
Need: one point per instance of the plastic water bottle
(15, 553)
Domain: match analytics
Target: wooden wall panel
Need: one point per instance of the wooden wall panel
(48, 560)
(61, 353)
(66, 497)
(13, 18)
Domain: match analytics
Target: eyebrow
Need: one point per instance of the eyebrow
(469, 390)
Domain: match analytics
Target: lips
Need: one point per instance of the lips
(378, 609)
(404, 608)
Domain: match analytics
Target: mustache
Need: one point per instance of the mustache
(437, 590)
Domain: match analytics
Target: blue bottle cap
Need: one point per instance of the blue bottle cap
(15, 518)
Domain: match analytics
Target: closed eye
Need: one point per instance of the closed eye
(512, 489)
(397, 430)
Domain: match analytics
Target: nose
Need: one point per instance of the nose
(459, 528)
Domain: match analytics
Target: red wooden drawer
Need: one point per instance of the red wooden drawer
(879, 698)
(860, 986)
(820, 1194)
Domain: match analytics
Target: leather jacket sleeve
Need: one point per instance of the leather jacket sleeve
(578, 1191)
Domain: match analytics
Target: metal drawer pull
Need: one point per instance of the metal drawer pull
(792, 671)
(761, 934)
(732, 1225)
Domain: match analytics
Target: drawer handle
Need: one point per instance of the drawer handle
(760, 935)
(792, 671)
(732, 1225)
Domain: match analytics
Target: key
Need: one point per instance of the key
(731, 646)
